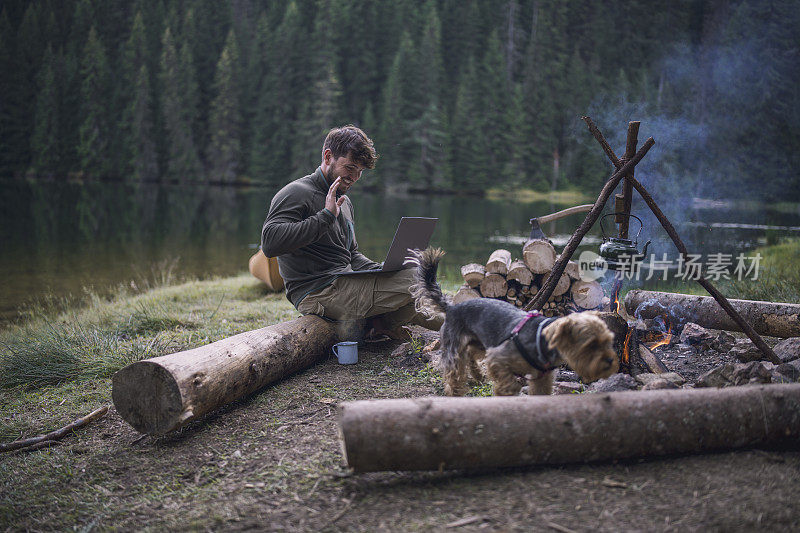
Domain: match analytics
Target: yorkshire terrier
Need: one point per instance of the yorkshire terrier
(508, 341)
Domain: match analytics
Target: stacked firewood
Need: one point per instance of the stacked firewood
(517, 281)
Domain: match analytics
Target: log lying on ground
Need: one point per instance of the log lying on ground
(158, 395)
(767, 318)
(452, 433)
(499, 262)
(539, 255)
(473, 274)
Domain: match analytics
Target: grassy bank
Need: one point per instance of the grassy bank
(566, 197)
(779, 276)
(271, 461)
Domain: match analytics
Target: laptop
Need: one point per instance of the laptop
(412, 233)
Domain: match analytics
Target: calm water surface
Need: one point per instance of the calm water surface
(59, 238)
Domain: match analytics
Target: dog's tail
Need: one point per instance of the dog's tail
(427, 293)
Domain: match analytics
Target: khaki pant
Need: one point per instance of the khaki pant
(351, 298)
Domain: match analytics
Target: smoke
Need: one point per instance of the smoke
(724, 113)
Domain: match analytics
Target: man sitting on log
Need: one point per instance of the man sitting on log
(310, 228)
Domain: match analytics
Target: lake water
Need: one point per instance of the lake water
(57, 238)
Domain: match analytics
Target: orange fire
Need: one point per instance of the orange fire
(666, 338)
(625, 354)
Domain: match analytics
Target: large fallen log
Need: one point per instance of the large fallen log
(158, 395)
(767, 318)
(451, 433)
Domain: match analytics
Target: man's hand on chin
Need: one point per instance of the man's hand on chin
(333, 204)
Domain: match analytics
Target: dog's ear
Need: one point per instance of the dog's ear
(559, 332)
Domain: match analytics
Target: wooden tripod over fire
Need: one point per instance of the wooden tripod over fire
(625, 170)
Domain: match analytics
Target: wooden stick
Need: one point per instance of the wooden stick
(54, 435)
(564, 212)
(627, 186)
(558, 269)
(602, 140)
(670, 229)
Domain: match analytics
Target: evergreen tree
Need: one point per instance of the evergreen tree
(429, 128)
(322, 109)
(224, 151)
(45, 143)
(182, 161)
(11, 87)
(401, 110)
(466, 160)
(493, 142)
(94, 132)
(358, 35)
(133, 58)
(28, 55)
(141, 146)
(283, 87)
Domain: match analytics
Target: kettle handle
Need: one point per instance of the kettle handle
(602, 229)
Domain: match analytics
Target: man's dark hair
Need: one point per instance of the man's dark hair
(351, 140)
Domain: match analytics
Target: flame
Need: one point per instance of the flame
(625, 353)
(615, 292)
(666, 338)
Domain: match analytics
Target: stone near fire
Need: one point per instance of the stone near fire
(788, 349)
(660, 384)
(737, 374)
(717, 377)
(695, 335)
(724, 342)
(745, 351)
(566, 387)
(674, 377)
(614, 383)
(686, 350)
(753, 372)
(790, 370)
(647, 377)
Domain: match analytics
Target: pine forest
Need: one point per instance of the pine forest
(459, 95)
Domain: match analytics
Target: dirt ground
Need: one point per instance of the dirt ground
(272, 462)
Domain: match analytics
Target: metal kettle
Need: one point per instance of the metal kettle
(621, 254)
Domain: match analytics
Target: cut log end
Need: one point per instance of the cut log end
(148, 398)
(539, 255)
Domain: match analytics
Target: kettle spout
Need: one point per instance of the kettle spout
(644, 250)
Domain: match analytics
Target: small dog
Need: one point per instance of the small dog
(510, 341)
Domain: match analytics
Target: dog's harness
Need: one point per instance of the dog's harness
(544, 358)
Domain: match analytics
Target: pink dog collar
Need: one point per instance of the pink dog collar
(521, 323)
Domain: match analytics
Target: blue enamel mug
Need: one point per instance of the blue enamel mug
(346, 352)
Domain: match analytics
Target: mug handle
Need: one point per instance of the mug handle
(333, 349)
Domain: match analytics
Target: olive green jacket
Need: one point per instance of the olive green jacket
(312, 246)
